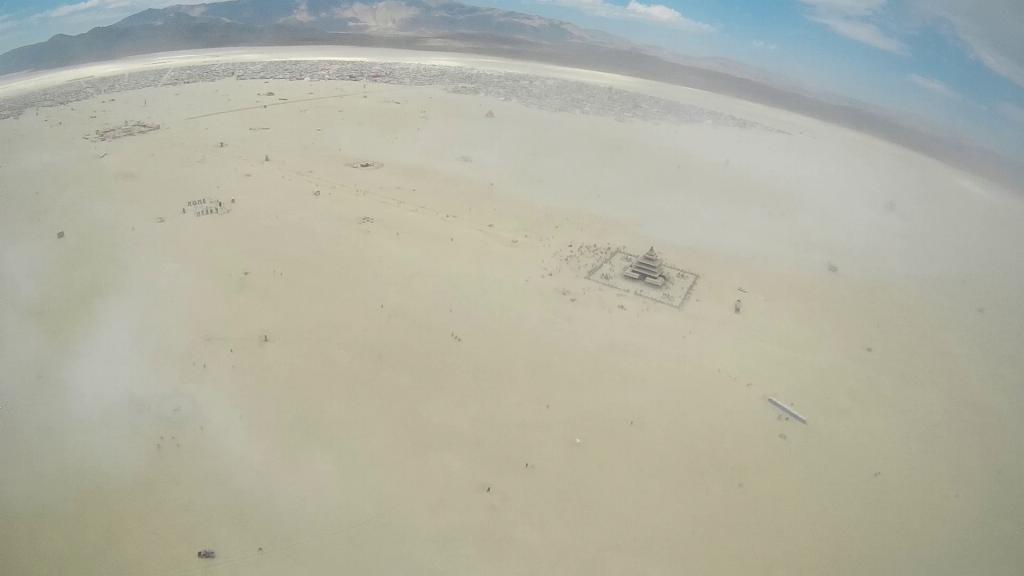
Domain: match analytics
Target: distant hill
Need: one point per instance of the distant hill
(451, 26)
(280, 22)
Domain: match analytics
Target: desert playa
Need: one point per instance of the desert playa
(360, 311)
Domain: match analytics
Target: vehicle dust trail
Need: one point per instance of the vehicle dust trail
(296, 101)
(399, 203)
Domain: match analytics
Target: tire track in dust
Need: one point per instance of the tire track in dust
(505, 237)
(299, 101)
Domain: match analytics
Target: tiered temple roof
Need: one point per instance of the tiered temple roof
(647, 268)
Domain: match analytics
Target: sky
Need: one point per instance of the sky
(954, 67)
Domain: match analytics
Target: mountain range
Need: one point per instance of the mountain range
(405, 23)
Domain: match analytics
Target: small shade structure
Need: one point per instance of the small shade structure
(647, 268)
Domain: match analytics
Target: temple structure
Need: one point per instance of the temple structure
(647, 268)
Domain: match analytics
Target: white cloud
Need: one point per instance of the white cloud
(634, 10)
(991, 31)
(1012, 112)
(103, 8)
(69, 9)
(852, 8)
(761, 44)
(934, 86)
(655, 12)
(855, 19)
(863, 32)
(1003, 64)
(301, 13)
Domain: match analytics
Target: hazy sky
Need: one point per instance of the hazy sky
(956, 65)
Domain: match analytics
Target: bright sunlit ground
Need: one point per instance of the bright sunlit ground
(403, 368)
